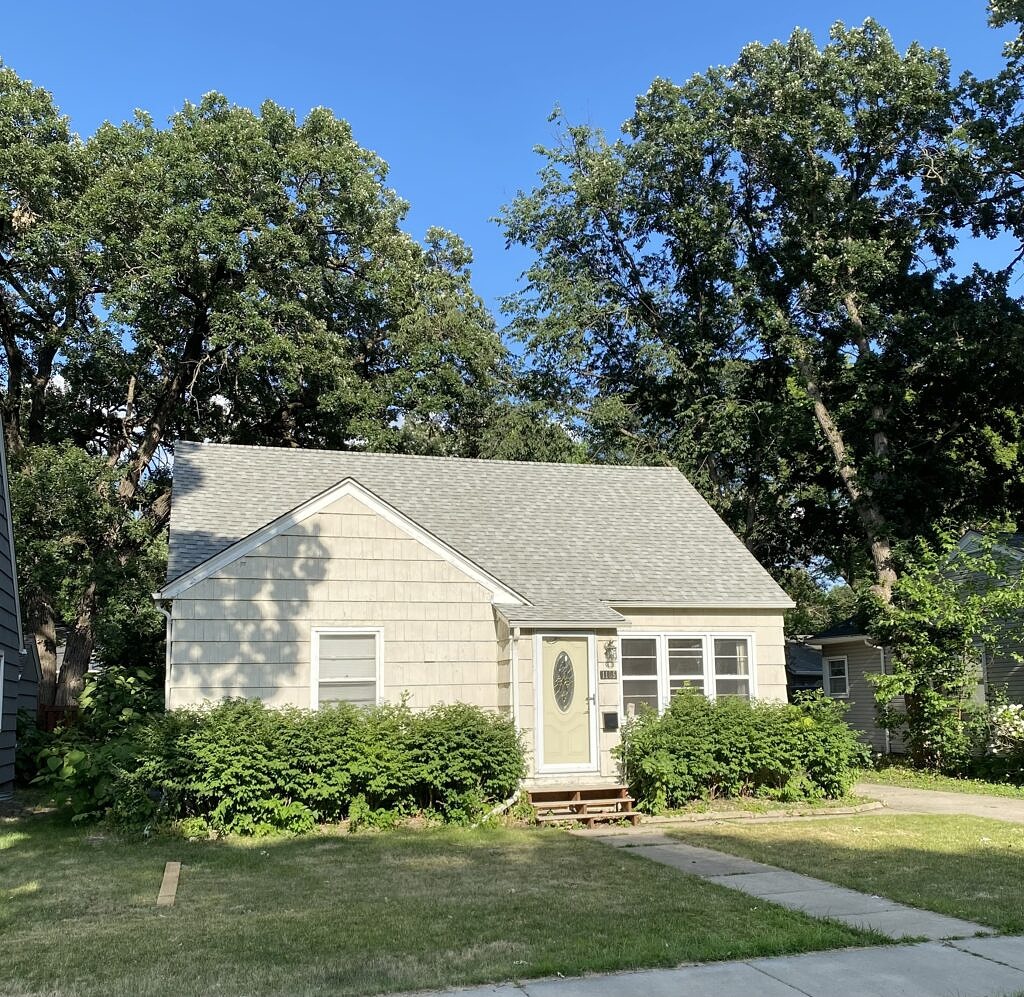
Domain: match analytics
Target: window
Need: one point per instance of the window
(657, 666)
(639, 673)
(732, 667)
(837, 677)
(685, 664)
(345, 667)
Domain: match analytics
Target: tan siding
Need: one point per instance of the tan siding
(245, 631)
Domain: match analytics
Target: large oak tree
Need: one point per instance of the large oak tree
(759, 281)
(236, 276)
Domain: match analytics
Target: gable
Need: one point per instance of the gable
(297, 537)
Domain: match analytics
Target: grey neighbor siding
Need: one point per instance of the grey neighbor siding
(18, 673)
(863, 659)
(1004, 674)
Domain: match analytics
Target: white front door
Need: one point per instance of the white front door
(566, 730)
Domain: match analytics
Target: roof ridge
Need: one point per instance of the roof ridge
(437, 458)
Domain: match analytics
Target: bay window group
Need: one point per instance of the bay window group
(656, 666)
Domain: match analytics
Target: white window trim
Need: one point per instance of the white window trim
(3, 676)
(314, 661)
(538, 693)
(826, 675)
(706, 637)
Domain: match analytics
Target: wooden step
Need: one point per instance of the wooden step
(589, 820)
(583, 805)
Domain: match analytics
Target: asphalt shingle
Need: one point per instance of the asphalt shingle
(574, 539)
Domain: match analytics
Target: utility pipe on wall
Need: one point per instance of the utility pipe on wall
(167, 653)
(513, 667)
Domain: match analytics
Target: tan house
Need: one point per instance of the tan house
(566, 595)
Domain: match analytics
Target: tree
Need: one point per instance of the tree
(952, 603)
(85, 560)
(757, 282)
(235, 276)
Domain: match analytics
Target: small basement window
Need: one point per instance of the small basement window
(345, 667)
(837, 677)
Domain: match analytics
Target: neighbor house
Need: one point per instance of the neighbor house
(19, 671)
(569, 596)
(849, 656)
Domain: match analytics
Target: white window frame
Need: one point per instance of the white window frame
(377, 633)
(707, 638)
(3, 676)
(826, 675)
(594, 765)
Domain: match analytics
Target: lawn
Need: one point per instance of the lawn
(968, 867)
(903, 775)
(357, 914)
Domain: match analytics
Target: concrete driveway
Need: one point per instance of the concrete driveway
(930, 801)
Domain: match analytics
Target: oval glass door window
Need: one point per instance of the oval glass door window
(563, 679)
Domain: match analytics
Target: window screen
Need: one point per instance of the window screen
(838, 680)
(685, 664)
(348, 669)
(732, 667)
(639, 673)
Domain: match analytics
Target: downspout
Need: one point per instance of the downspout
(513, 669)
(167, 649)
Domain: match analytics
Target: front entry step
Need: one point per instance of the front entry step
(583, 805)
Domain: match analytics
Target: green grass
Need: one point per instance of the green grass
(358, 914)
(752, 805)
(968, 867)
(903, 775)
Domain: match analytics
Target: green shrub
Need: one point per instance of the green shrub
(702, 750)
(240, 767)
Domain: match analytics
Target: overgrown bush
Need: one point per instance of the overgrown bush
(244, 768)
(702, 750)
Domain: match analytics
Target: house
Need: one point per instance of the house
(803, 669)
(569, 596)
(849, 656)
(19, 671)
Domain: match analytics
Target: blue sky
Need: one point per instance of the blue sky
(453, 96)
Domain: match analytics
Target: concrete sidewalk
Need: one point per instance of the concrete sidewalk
(933, 801)
(790, 889)
(982, 967)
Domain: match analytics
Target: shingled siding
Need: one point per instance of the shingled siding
(245, 631)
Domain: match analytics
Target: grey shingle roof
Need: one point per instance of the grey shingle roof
(573, 539)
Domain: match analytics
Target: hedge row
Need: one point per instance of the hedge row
(703, 750)
(242, 767)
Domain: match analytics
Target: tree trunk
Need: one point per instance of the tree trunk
(46, 644)
(77, 652)
(868, 514)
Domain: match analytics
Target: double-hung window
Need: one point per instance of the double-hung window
(837, 677)
(657, 666)
(345, 667)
